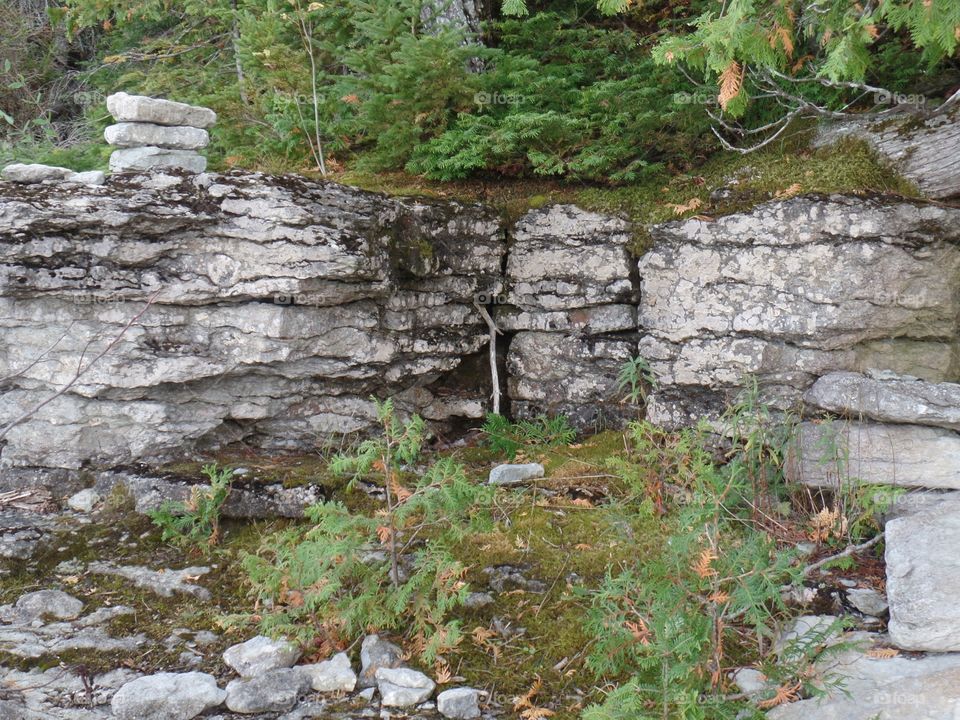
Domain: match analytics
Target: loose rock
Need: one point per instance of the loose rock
(271, 691)
(376, 653)
(34, 173)
(923, 579)
(167, 696)
(84, 501)
(838, 454)
(868, 601)
(149, 159)
(459, 703)
(331, 675)
(403, 687)
(515, 474)
(260, 654)
(136, 134)
(142, 109)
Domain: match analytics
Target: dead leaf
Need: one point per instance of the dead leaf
(883, 653)
(702, 566)
(691, 204)
(731, 82)
(784, 694)
(790, 191)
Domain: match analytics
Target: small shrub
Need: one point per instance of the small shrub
(393, 570)
(636, 379)
(674, 625)
(197, 521)
(509, 438)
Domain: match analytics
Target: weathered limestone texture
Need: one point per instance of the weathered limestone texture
(269, 310)
(795, 289)
(571, 299)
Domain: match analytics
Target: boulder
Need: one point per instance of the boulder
(271, 691)
(868, 601)
(924, 148)
(141, 109)
(167, 696)
(841, 453)
(333, 675)
(459, 703)
(260, 654)
(152, 159)
(923, 579)
(403, 687)
(515, 474)
(888, 398)
(139, 134)
(792, 290)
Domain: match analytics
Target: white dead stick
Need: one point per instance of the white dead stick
(494, 375)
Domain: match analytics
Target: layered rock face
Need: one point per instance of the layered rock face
(571, 300)
(793, 290)
(266, 310)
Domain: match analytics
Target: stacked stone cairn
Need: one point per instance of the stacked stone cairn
(155, 134)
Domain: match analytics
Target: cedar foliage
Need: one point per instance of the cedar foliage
(673, 627)
(348, 572)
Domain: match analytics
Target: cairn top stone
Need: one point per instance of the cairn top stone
(139, 108)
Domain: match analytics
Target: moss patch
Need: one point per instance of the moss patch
(781, 170)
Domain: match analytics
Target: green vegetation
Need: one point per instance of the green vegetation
(508, 438)
(379, 86)
(196, 523)
(333, 577)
